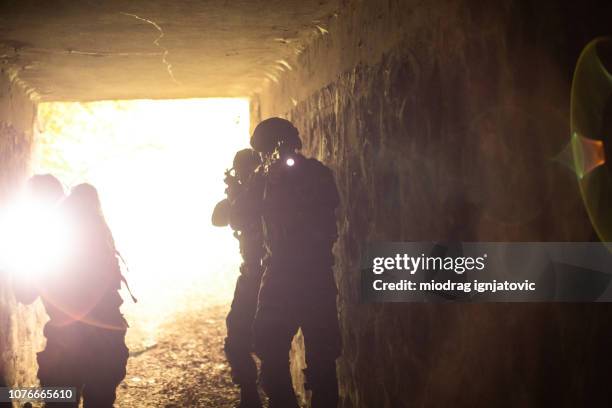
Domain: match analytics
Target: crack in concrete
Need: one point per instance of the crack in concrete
(114, 54)
(57, 51)
(322, 30)
(165, 51)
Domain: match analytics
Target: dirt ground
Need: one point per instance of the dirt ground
(185, 367)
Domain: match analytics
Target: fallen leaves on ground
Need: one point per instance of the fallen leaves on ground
(185, 368)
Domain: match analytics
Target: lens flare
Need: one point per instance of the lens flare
(588, 154)
(591, 132)
(34, 239)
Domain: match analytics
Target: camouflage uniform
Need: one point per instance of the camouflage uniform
(298, 289)
(237, 211)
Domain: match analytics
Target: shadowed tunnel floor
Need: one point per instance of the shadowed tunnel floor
(185, 367)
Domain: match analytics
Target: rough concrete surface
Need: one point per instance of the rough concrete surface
(442, 121)
(92, 50)
(20, 326)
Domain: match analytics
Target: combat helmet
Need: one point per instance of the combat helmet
(246, 161)
(273, 133)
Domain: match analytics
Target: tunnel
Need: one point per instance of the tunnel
(440, 120)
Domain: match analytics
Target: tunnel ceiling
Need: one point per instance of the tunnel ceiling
(93, 50)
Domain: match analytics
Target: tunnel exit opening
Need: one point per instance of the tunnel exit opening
(158, 166)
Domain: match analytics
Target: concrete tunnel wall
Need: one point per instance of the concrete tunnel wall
(20, 326)
(441, 120)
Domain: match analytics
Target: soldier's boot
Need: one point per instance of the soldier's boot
(244, 370)
(284, 400)
(249, 397)
(325, 398)
(323, 382)
(276, 382)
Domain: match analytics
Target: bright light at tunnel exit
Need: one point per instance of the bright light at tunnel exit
(158, 166)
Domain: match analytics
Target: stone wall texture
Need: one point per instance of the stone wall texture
(20, 326)
(444, 120)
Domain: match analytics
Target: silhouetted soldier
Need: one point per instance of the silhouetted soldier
(86, 331)
(244, 190)
(298, 289)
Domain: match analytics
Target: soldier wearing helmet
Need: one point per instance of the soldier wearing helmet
(242, 193)
(298, 289)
